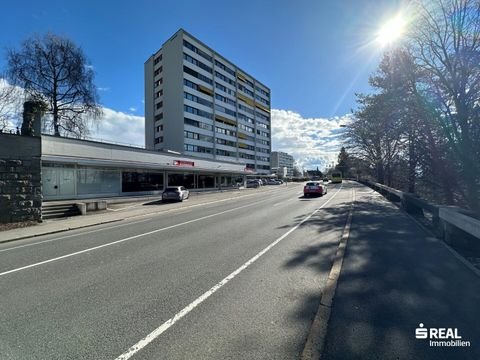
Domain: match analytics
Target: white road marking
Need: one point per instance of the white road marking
(72, 235)
(133, 217)
(127, 239)
(170, 322)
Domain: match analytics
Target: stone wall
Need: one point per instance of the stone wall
(20, 178)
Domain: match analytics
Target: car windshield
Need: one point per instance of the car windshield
(172, 189)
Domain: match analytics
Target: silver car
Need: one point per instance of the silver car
(178, 193)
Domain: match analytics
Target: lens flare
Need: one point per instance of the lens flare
(391, 31)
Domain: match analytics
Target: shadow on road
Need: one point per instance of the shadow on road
(393, 278)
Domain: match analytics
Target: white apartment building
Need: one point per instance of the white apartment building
(281, 160)
(199, 104)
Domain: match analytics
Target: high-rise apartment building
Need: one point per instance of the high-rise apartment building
(198, 103)
(281, 160)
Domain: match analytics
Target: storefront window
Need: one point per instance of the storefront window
(186, 180)
(97, 181)
(133, 181)
(206, 181)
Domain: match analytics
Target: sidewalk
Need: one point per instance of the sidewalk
(394, 277)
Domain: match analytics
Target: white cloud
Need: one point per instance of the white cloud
(132, 109)
(116, 126)
(103, 89)
(311, 141)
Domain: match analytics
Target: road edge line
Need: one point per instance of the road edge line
(318, 331)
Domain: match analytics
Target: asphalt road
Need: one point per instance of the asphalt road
(237, 279)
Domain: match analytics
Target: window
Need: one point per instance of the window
(262, 100)
(246, 119)
(246, 109)
(224, 67)
(246, 156)
(196, 50)
(224, 78)
(197, 99)
(198, 112)
(159, 105)
(158, 71)
(159, 117)
(190, 84)
(198, 124)
(225, 110)
(225, 99)
(194, 73)
(133, 181)
(225, 142)
(199, 149)
(91, 180)
(246, 128)
(158, 59)
(223, 131)
(261, 116)
(261, 91)
(245, 90)
(225, 153)
(197, 63)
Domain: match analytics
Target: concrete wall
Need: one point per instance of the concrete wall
(20, 178)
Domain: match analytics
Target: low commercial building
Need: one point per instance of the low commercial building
(78, 169)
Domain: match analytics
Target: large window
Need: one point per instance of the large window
(206, 181)
(133, 181)
(92, 180)
(186, 180)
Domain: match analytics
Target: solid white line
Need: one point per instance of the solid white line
(72, 235)
(126, 239)
(132, 217)
(167, 324)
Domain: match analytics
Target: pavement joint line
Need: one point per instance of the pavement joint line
(170, 322)
(130, 238)
(318, 331)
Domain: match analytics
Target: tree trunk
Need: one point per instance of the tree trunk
(412, 164)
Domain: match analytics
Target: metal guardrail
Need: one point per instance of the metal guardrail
(454, 225)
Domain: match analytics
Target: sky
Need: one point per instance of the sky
(313, 54)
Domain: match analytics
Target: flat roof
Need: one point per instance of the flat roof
(181, 30)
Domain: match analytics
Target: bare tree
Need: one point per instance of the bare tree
(9, 98)
(446, 44)
(54, 70)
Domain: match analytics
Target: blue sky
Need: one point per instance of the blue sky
(314, 55)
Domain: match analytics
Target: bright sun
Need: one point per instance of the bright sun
(391, 31)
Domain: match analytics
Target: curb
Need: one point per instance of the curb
(318, 331)
(58, 231)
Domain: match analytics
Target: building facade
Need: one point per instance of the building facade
(199, 104)
(280, 160)
(76, 169)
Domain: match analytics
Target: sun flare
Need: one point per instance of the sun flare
(391, 31)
